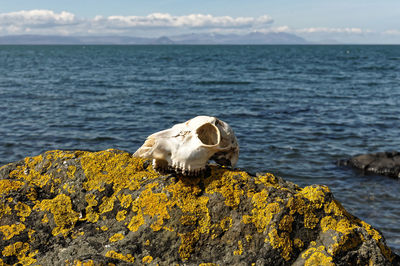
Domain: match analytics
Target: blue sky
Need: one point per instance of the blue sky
(345, 21)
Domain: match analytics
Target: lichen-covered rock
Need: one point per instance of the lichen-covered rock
(380, 163)
(109, 208)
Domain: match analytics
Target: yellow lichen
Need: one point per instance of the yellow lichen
(328, 222)
(63, 215)
(121, 215)
(372, 232)
(262, 214)
(119, 256)
(310, 220)
(69, 188)
(188, 219)
(125, 200)
(227, 183)
(147, 259)
(9, 231)
(247, 219)
(317, 257)
(119, 169)
(309, 251)
(91, 215)
(315, 194)
(30, 233)
(298, 204)
(170, 229)
(260, 199)
(28, 172)
(187, 242)
(15, 249)
(267, 179)
(23, 210)
(75, 235)
(84, 263)
(7, 185)
(248, 237)
(116, 237)
(136, 222)
(239, 251)
(286, 223)
(20, 250)
(4, 209)
(305, 202)
(226, 223)
(71, 171)
(32, 194)
(298, 243)
(152, 204)
(281, 241)
(45, 219)
(344, 226)
(185, 196)
(56, 154)
(349, 235)
(334, 207)
(107, 204)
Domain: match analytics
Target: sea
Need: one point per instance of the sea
(295, 110)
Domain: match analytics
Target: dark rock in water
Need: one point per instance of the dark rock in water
(109, 208)
(381, 163)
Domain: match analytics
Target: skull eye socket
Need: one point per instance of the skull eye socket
(208, 134)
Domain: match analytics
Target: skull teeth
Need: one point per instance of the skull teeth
(187, 171)
(179, 168)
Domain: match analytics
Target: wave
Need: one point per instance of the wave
(222, 82)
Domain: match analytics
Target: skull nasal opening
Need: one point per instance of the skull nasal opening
(208, 134)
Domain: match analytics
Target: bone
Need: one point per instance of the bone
(187, 147)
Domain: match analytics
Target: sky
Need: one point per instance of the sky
(343, 21)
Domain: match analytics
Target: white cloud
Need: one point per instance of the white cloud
(392, 32)
(281, 29)
(164, 20)
(37, 18)
(333, 30)
(277, 29)
(317, 30)
(47, 21)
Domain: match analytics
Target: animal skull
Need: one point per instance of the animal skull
(188, 146)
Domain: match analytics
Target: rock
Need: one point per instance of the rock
(381, 163)
(109, 208)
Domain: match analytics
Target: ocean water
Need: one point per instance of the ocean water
(295, 109)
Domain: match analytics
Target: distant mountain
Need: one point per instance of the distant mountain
(68, 40)
(37, 39)
(251, 38)
(209, 38)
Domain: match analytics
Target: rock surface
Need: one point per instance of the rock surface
(381, 163)
(109, 208)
